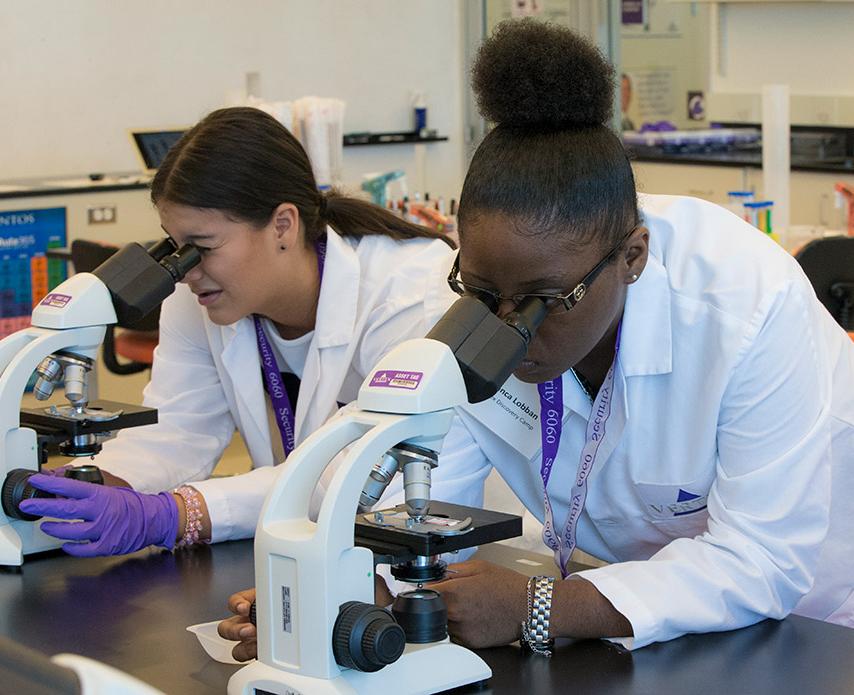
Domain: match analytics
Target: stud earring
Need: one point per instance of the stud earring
(283, 248)
(634, 277)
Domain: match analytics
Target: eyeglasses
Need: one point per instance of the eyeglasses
(552, 301)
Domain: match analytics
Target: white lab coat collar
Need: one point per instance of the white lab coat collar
(337, 306)
(242, 363)
(646, 335)
(645, 342)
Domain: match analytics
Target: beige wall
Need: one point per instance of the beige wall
(77, 75)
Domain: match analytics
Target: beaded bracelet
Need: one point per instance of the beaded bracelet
(193, 507)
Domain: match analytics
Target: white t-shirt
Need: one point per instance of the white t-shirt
(290, 354)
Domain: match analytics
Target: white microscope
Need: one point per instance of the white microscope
(318, 628)
(61, 345)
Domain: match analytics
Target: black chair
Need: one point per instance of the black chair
(138, 340)
(829, 265)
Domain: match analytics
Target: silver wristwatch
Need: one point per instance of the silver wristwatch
(535, 630)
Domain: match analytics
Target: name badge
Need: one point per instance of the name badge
(513, 414)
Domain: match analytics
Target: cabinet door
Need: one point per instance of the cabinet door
(811, 199)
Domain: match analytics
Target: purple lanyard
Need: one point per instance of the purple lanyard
(282, 408)
(551, 427)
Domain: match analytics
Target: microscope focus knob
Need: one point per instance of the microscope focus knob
(87, 473)
(16, 489)
(366, 637)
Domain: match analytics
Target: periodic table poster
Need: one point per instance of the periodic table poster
(26, 274)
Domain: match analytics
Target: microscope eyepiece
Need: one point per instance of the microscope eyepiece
(181, 261)
(162, 248)
(140, 279)
(527, 317)
(488, 348)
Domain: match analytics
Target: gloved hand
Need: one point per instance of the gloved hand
(115, 520)
(59, 471)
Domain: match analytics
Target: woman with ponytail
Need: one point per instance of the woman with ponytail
(298, 294)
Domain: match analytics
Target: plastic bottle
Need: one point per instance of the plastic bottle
(736, 201)
(761, 218)
(419, 106)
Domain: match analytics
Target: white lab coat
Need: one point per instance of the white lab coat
(206, 379)
(734, 391)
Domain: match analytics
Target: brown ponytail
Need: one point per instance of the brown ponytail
(358, 218)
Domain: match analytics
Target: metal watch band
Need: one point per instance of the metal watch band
(535, 632)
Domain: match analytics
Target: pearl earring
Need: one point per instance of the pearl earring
(634, 277)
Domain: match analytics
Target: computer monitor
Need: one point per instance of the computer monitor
(152, 145)
(829, 265)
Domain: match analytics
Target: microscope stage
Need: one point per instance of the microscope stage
(486, 527)
(45, 423)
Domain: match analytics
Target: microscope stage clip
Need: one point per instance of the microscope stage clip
(92, 414)
(440, 525)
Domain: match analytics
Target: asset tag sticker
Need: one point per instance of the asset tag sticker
(56, 300)
(386, 378)
(286, 609)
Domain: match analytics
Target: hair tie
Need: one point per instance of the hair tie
(322, 207)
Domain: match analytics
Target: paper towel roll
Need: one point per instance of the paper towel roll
(776, 153)
(319, 125)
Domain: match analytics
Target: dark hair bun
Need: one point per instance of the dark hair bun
(532, 74)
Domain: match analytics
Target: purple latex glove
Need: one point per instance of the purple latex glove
(114, 520)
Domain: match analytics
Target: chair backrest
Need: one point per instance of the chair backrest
(829, 265)
(86, 255)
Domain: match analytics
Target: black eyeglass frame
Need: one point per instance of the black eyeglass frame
(568, 301)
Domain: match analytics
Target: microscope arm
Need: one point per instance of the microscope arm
(310, 575)
(328, 570)
(20, 354)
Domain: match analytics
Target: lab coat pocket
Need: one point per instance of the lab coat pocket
(676, 510)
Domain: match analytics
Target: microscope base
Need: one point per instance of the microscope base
(19, 538)
(423, 669)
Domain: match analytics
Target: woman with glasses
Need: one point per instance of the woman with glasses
(298, 294)
(686, 406)
(682, 412)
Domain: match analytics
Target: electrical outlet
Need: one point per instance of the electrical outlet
(101, 214)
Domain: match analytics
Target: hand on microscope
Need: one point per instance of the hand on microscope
(108, 520)
(107, 477)
(486, 603)
(239, 627)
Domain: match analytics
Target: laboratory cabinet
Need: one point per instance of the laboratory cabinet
(811, 192)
